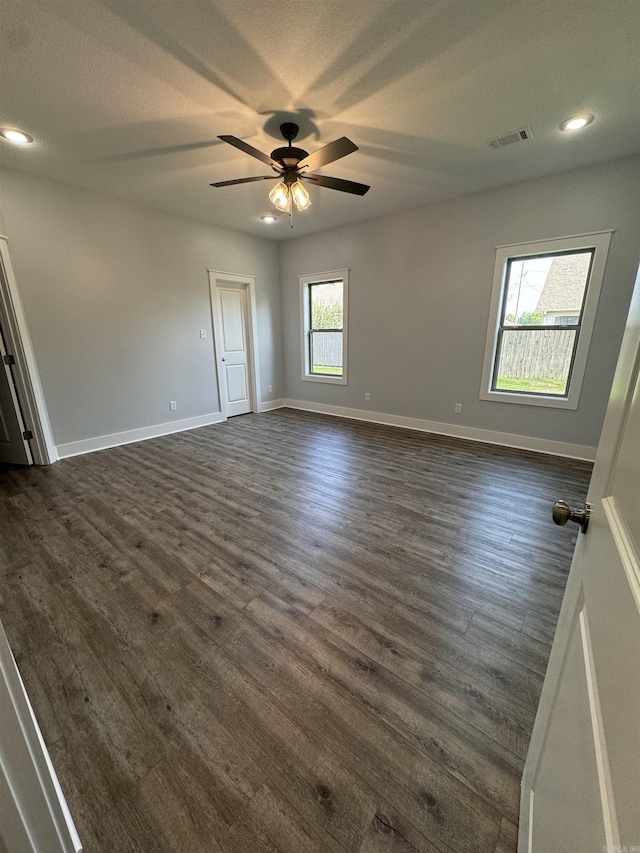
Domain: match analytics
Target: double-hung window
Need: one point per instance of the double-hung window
(323, 303)
(542, 314)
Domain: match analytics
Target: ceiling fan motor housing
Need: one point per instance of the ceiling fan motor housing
(289, 155)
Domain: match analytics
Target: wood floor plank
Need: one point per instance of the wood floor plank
(329, 796)
(390, 832)
(515, 645)
(508, 838)
(287, 632)
(539, 627)
(166, 789)
(275, 819)
(445, 739)
(497, 716)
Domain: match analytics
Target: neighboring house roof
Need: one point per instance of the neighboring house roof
(564, 288)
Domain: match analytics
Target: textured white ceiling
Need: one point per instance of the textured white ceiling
(128, 97)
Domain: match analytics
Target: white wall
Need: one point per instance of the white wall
(115, 296)
(419, 291)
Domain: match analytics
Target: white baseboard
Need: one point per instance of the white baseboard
(273, 404)
(521, 442)
(102, 442)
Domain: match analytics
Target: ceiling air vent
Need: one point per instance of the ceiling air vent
(510, 138)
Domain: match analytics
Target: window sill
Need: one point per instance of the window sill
(570, 402)
(329, 380)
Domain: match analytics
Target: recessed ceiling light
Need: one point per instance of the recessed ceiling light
(269, 217)
(17, 137)
(576, 122)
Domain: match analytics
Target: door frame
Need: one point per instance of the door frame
(25, 371)
(216, 280)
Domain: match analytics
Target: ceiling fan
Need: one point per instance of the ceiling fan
(293, 165)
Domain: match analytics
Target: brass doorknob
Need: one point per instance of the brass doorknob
(562, 513)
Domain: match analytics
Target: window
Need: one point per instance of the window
(542, 313)
(323, 301)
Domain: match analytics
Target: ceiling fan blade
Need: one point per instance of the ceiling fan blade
(337, 184)
(333, 151)
(249, 149)
(245, 180)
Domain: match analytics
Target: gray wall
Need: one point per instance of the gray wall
(420, 287)
(115, 296)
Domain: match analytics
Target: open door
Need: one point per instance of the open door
(14, 444)
(581, 783)
(22, 404)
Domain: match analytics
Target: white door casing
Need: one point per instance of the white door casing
(14, 448)
(25, 371)
(34, 816)
(581, 783)
(235, 342)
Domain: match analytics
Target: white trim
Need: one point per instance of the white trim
(270, 405)
(567, 624)
(26, 375)
(624, 544)
(115, 439)
(318, 278)
(605, 783)
(505, 439)
(249, 283)
(600, 241)
(33, 808)
(554, 239)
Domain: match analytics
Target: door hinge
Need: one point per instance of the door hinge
(8, 359)
(27, 435)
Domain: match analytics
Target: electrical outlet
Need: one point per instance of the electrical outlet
(270, 388)
(203, 333)
(173, 405)
(458, 408)
(367, 397)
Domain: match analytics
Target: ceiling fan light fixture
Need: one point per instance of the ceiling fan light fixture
(280, 197)
(300, 196)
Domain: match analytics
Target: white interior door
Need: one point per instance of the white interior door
(14, 447)
(233, 348)
(581, 783)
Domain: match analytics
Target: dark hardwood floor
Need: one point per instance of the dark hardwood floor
(288, 633)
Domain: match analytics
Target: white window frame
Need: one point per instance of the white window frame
(599, 241)
(322, 278)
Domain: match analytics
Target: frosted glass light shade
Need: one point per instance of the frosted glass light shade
(300, 196)
(280, 197)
